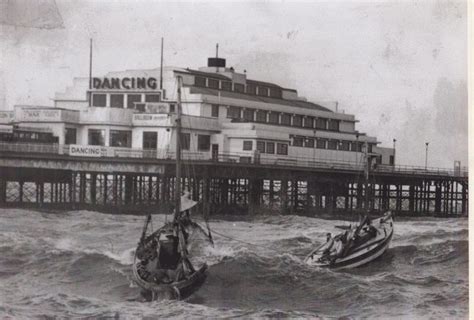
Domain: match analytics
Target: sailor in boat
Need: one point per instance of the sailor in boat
(366, 231)
(328, 246)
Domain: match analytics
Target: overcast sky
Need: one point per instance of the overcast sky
(399, 66)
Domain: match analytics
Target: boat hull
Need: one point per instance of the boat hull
(173, 291)
(364, 253)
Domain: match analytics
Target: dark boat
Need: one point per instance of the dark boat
(161, 266)
(176, 280)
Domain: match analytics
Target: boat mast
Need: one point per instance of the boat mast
(177, 192)
(366, 177)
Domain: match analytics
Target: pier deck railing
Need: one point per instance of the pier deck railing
(243, 158)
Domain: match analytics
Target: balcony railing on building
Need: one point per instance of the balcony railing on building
(231, 158)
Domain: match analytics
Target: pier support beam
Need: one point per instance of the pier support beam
(255, 189)
(411, 199)
(205, 196)
(284, 195)
(464, 205)
(128, 189)
(438, 198)
(93, 188)
(3, 191)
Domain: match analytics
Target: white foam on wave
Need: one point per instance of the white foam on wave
(124, 257)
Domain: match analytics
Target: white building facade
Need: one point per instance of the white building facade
(225, 115)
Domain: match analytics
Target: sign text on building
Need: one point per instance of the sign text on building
(41, 115)
(124, 83)
(84, 151)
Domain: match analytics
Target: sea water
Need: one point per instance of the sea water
(78, 264)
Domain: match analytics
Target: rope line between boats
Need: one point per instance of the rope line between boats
(245, 242)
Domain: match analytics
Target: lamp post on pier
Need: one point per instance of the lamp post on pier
(394, 150)
(426, 155)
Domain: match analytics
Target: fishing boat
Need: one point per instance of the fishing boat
(359, 244)
(162, 265)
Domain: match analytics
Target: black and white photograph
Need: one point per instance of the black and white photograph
(245, 159)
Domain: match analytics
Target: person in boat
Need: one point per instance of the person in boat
(327, 247)
(337, 249)
(149, 267)
(370, 229)
(357, 237)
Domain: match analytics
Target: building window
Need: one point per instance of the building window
(298, 141)
(132, 98)
(273, 117)
(96, 137)
(185, 141)
(286, 119)
(213, 83)
(116, 100)
(172, 108)
(120, 138)
(321, 143)
(353, 146)
(261, 116)
(150, 140)
(200, 81)
(333, 125)
(226, 85)
(140, 107)
(321, 123)
(263, 91)
(308, 122)
(248, 145)
(249, 114)
(99, 100)
(233, 112)
(332, 144)
(297, 121)
(282, 148)
(392, 160)
(251, 88)
(204, 142)
(215, 111)
(345, 145)
(238, 87)
(370, 145)
(261, 146)
(275, 93)
(152, 98)
(70, 136)
(270, 147)
(309, 142)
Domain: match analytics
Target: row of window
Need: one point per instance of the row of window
(203, 142)
(117, 138)
(134, 101)
(266, 147)
(123, 138)
(249, 88)
(272, 117)
(330, 144)
(282, 148)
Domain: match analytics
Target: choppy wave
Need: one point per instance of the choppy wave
(77, 264)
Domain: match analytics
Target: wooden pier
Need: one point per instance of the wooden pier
(225, 185)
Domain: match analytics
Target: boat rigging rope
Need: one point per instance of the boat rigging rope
(248, 243)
